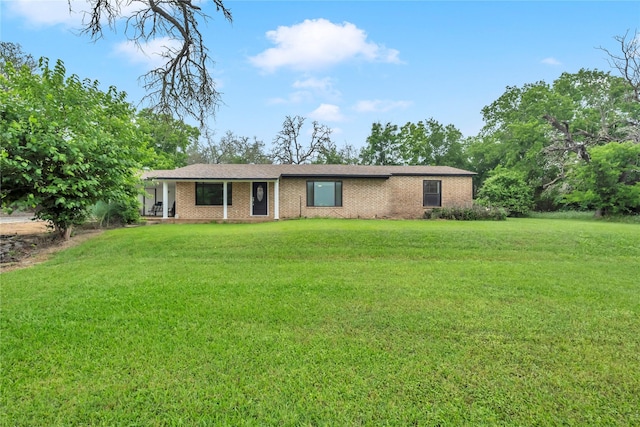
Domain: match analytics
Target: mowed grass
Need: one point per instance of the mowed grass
(329, 322)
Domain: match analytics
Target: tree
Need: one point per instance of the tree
(610, 181)
(288, 147)
(383, 146)
(627, 62)
(230, 149)
(428, 142)
(332, 155)
(170, 139)
(12, 52)
(507, 189)
(65, 145)
(183, 86)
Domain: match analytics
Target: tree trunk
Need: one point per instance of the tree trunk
(65, 233)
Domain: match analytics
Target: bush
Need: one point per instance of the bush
(115, 214)
(473, 213)
(508, 190)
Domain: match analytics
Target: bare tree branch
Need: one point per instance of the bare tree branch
(628, 61)
(288, 149)
(183, 86)
(568, 143)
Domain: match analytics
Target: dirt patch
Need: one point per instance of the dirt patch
(23, 244)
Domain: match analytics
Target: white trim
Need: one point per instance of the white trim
(251, 199)
(165, 200)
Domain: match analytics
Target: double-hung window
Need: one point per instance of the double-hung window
(212, 194)
(324, 193)
(432, 193)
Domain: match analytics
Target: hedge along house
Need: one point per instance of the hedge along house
(220, 192)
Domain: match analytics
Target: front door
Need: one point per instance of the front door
(259, 198)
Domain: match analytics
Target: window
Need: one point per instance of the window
(324, 193)
(211, 193)
(432, 196)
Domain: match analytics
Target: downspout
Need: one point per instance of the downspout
(224, 200)
(276, 199)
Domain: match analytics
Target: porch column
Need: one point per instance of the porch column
(165, 200)
(276, 199)
(224, 200)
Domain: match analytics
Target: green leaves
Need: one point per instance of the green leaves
(610, 181)
(66, 144)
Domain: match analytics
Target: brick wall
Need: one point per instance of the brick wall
(407, 197)
(361, 198)
(396, 197)
(239, 209)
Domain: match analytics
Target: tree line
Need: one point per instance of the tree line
(575, 142)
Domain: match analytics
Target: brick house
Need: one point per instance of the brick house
(210, 192)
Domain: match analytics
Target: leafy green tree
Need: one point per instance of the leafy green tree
(507, 189)
(65, 145)
(332, 155)
(383, 146)
(610, 181)
(240, 150)
(431, 143)
(170, 139)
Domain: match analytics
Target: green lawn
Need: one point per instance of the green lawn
(329, 322)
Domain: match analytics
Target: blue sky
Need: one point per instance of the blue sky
(348, 64)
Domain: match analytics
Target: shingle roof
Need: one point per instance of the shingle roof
(269, 172)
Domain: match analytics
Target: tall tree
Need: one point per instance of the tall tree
(429, 142)
(627, 61)
(169, 138)
(65, 145)
(288, 147)
(609, 182)
(334, 155)
(183, 86)
(240, 150)
(230, 149)
(383, 146)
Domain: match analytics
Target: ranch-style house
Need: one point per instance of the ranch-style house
(231, 192)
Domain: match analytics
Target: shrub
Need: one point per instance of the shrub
(115, 214)
(473, 213)
(507, 189)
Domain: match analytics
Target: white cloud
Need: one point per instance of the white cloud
(378, 105)
(551, 61)
(320, 87)
(149, 54)
(47, 13)
(297, 97)
(319, 43)
(309, 90)
(327, 113)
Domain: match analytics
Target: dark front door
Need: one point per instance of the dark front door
(260, 199)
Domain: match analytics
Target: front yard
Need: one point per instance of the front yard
(329, 322)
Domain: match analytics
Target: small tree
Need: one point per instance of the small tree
(610, 182)
(65, 145)
(507, 189)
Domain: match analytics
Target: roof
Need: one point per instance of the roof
(272, 172)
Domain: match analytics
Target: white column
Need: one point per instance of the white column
(224, 199)
(276, 199)
(165, 200)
